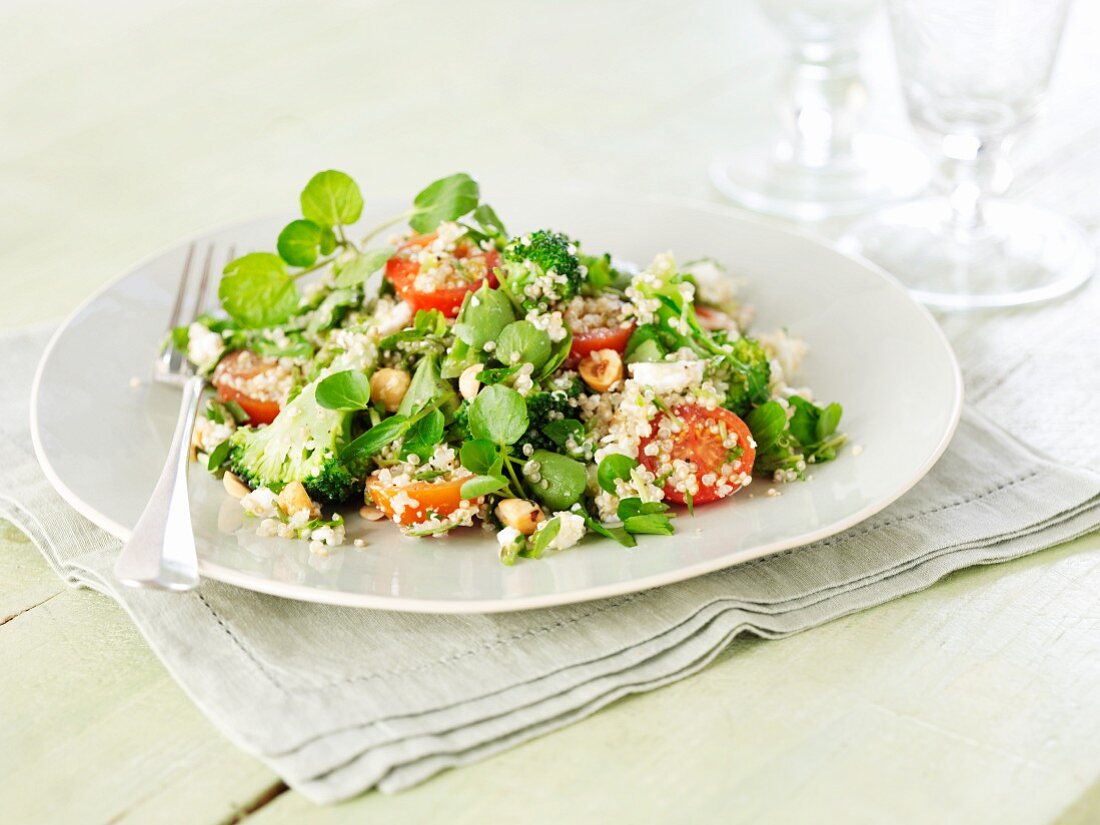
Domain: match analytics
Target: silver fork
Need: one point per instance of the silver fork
(161, 550)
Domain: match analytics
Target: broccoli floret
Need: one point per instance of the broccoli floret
(542, 268)
(748, 376)
(302, 444)
(544, 407)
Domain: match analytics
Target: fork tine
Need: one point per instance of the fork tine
(181, 290)
(204, 280)
(170, 360)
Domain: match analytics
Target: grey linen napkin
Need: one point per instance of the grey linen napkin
(339, 700)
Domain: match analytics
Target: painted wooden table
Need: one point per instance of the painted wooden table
(128, 127)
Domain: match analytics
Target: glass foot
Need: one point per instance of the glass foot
(879, 170)
(1022, 255)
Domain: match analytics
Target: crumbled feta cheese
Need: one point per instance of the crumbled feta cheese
(571, 531)
(261, 503)
(204, 346)
(668, 376)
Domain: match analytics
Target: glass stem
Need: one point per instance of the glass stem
(824, 93)
(972, 167)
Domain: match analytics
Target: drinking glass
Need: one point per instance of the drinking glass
(821, 164)
(973, 74)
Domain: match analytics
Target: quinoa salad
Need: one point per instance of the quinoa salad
(439, 373)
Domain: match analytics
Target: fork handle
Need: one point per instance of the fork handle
(161, 550)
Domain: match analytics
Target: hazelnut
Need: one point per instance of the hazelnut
(521, 514)
(294, 498)
(389, 386)
(601, 369)
(234, 486)
(468, 384)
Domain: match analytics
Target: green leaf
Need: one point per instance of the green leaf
(423, 436)
(509, 552)
(498, 414)
(563, 480)
(374, 439)
(362, 266)
(484, 315)
(218, 456)
(331, 198)
(634, 506)
(803, 425)
(430, 322)
(612, 468)
(426, 386)
(328, 240)
(257, 291)
(767, 422)
(617, 533)
(543, 537)
(481, 486)
(829, 421)
(523, 342)
(557, 358)
(299, 243)
(562, 430)
(348, 390)
(487, 219)
(653, 524)
(497, 375)
(481, 456)
(446, 199)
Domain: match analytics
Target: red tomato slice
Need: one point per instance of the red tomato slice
(235, 379)
(442, 498)
(402, 269)
(591, 340)
(700, 440)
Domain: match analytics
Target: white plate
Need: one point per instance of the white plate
(102, 442)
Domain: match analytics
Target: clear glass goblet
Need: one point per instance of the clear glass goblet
(821, 164)
(973, 74)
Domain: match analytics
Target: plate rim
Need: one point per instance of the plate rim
(407, 604)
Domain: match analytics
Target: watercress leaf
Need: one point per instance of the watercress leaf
(649, 336)
(179, 338)
(346, 390)
(328, 240)
(829, 421)
(333, 308)
(480, 456)
(446, 199)
(426, 387)
(543, 537)
(634, 506)
(652, 524)
(331, 198)
(609, 532)
(523, 342)
(374, 439)
(357, 270)
(563, 480)
(558, 356)
(294, 347)
(487, 219)
(803, 424)
(612, 468)
(498, 414)
(562, 430)
(423, 435)
(299, 243)
(509, 552)
(767, 422)
(481, 486)
(218, 456)
(257, 291)
(497, 375)
(429, 322)
(484, 314)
